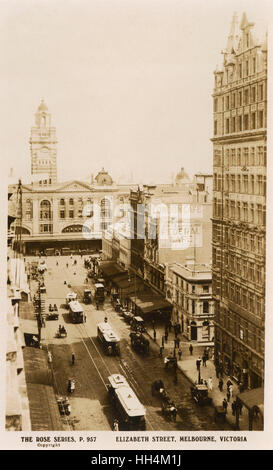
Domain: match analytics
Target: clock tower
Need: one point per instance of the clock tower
(43, 146)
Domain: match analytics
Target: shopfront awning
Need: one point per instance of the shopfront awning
(149, 301)
(253, 398)
(129, 286)
(110, 269)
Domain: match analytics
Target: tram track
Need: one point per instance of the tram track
(117, 366)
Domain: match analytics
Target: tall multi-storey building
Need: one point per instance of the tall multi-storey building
(43, 146)
(239, 204)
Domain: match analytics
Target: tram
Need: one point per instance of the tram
(129, 409)
(109, 339)
(76, 313)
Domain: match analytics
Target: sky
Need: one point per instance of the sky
(128, 82)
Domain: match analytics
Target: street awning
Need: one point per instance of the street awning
(149, 301)
(119, 277)
(129, 287)
(253, 398)
(110, 268)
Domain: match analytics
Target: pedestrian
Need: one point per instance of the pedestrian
(198, 363)
(49, 357)
(233, 407)
(57, 264)
(231, 390)
(220, 386)
(229, 383)
(166, 336)
(210, 385)
(240, 406)
(154, 336)
(67, 265)
(179, 354)
(115, 425)
(163, 342)
(191, 349)
(160, 351)
(73, 359)
(153, 324)
(228, 395)
(204, 359)
(174, 413)
(225, 405)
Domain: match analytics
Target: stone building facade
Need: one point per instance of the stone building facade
(61, 216)
(239, 204)
(189, 289)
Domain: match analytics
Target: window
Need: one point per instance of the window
(227, 102)
(240, 71)
(253, 120)
(251, 161)
(71, 214)
(261, 119)
(215, 127)
(45, 210)
(205, 307)
(239, 123)
(239, 152)
(261, 91)
(251, 301)
(71, 202)
(259, 214)
(253, 94)
(233, 100)
(245, 184)
(247, 68)
(245, 211)
(232, 209)
(254, 65)
(62, 202)
(233, 124)
(227, 126)
(260, 184)
(238, 183)
(62, 214)
(246, 96)
(238, 210)
(205, 288)
(244, 298)
(246, 123)
(232, 184)
(251, 215)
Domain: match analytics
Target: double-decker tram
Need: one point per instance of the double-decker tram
(130, 411)
(76, 313)
(110, 340)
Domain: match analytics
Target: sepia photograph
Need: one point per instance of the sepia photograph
(135, 224)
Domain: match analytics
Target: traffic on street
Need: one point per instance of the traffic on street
(101, 379)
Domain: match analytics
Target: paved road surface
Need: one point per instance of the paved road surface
(91, 409)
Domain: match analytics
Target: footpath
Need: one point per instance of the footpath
(187, 365)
